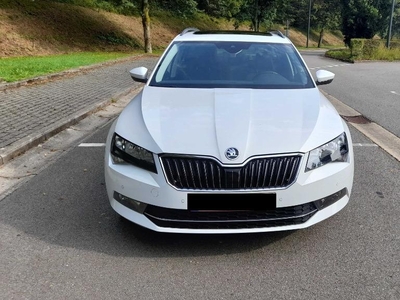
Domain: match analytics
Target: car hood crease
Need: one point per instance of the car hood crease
(256, 122)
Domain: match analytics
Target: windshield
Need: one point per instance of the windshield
(232, 65)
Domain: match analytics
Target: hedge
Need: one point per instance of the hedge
(367, 48)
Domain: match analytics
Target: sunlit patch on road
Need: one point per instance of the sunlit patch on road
(364, 145)
(91, 145)
(394, 92)
(329, 66)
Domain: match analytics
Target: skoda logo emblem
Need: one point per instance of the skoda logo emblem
(231, 153)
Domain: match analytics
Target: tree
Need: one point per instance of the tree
(294, 11)
(325, 15)
(183, 8)
(396, 22)
(257, 11)
(364, 18)
(385, 7)
(146, 26)
(220, 8)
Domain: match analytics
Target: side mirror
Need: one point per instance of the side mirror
(324, 77)
(139, 74)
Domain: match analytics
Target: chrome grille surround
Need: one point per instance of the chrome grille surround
(204, 173)
(186, 219)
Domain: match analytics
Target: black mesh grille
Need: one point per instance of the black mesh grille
(285, 216)
(194, 173)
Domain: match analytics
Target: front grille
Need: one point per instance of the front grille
(285, 216)
(201, 173)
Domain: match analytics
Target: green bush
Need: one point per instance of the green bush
(395, 44)
(340, 54)
(366, 48)
(386, 54)
(371, 47)
(356, 47)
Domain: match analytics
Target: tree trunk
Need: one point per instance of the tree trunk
(146, 26)
(321, 36)
(256, 17)
(255, 25)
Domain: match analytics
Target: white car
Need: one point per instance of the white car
(230, 134)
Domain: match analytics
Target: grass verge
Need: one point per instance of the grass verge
(385, 54)
(19, 68)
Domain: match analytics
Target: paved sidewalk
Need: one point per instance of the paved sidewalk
(31, 114)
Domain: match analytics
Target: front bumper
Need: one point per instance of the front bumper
(166, 208)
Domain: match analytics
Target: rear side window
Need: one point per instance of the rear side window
(232, 65)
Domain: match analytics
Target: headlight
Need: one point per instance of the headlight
(335, 151)
(125, 151)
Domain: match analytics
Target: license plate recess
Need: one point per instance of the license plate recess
(231, 202)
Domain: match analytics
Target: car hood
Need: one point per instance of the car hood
(256, 122)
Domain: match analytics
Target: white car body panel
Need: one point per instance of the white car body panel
(145, 222)
(206, 122)
(225, 118)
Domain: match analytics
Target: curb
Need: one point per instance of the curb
(19, 147)
(386, 140)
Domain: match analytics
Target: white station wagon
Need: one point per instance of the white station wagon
(230, 134)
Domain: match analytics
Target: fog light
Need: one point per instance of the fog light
(329, 200)
(130, 203)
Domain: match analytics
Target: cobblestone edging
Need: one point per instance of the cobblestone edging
(30, 114)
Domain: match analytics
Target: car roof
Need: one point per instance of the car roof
(193, 34)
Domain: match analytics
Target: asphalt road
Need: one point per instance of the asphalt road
(60, 239)
(372, 88)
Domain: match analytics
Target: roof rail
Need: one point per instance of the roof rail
(190, 29)
(277, 32)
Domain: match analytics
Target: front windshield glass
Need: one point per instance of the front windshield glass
(232, 65)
